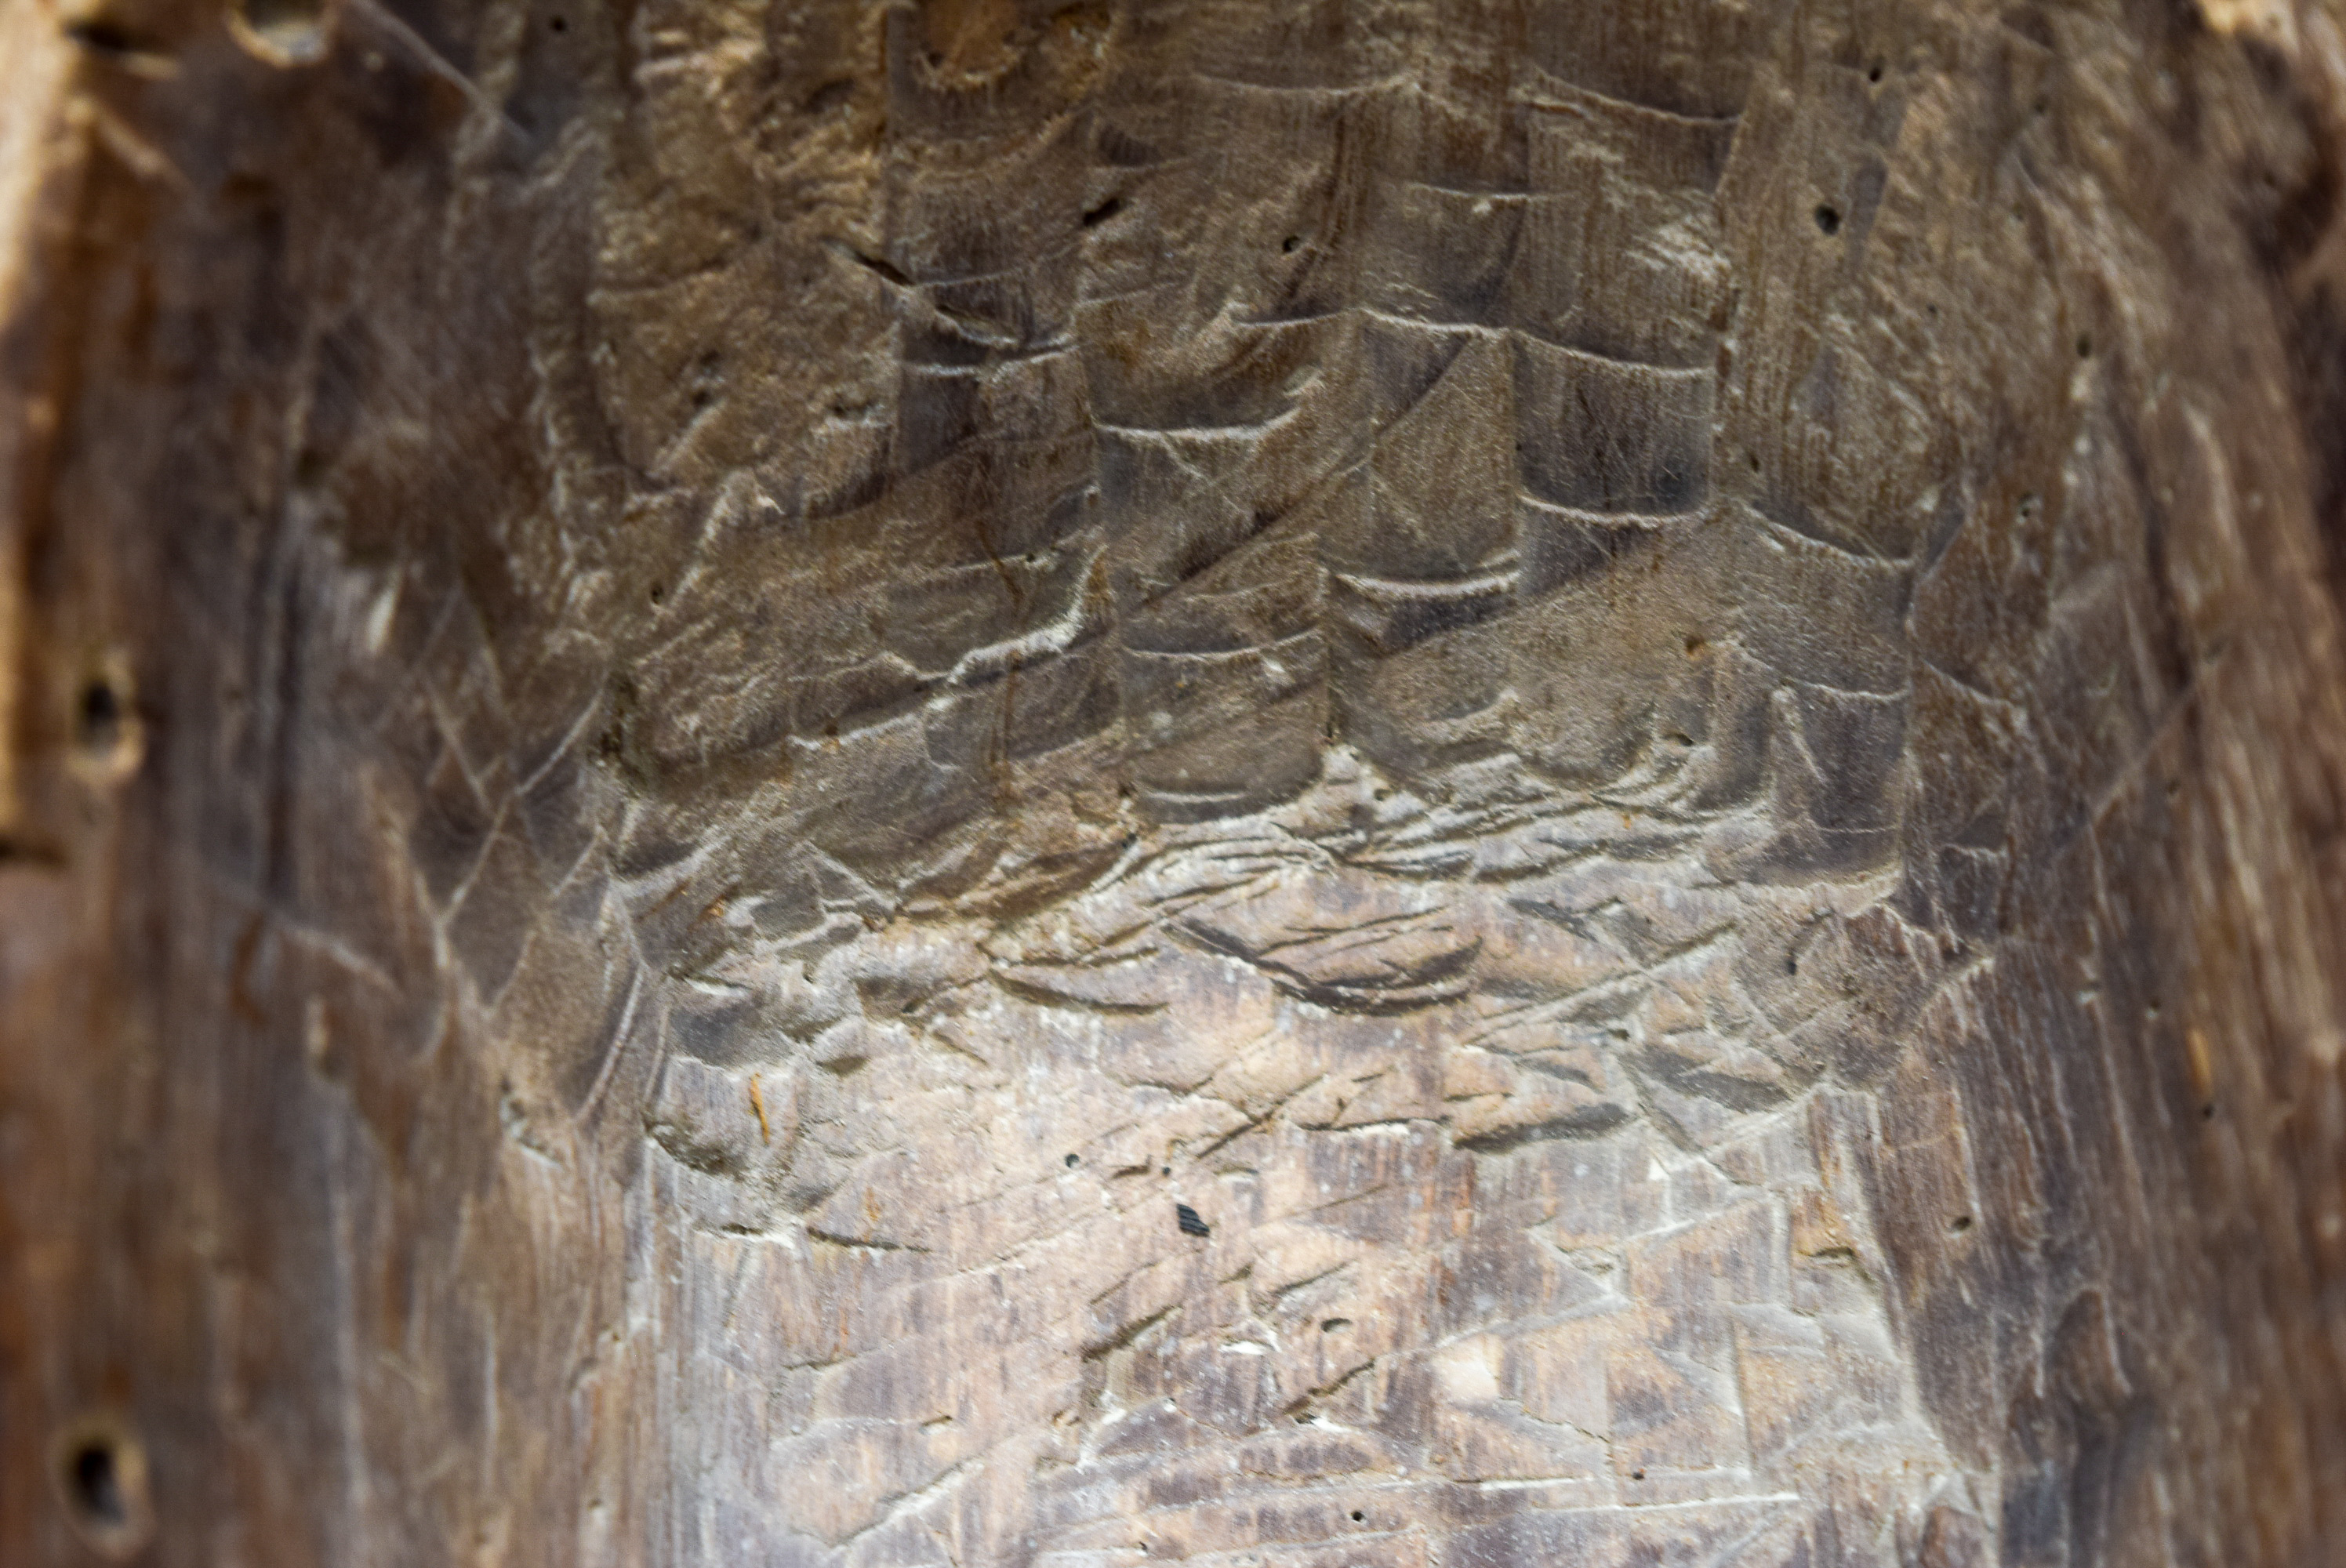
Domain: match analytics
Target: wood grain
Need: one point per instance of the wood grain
(1253, 781)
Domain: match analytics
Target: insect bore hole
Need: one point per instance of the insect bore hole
(93, 1481)
(1827, 218)
(98, 717)
(104, 721)
(101, 1476)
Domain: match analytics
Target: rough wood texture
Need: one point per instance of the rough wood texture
(1005, 782)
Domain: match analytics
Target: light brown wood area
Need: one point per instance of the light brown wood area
(1264, 783)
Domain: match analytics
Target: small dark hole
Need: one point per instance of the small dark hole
(657, 593)
(1637, 1475)
(2207, 1113)
(1961, 1223)
(1166, 1171)
(1358, 1516)
(1828, 219)
(1071, 1162)
(1291, 244)
(556, 25)
(102, 36)
(100, 716)
(1103, 212)
(93, 1481)
(1792, 965)
(1330, 1325)
(1874, 75)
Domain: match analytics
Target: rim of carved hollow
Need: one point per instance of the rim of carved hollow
(283, 33)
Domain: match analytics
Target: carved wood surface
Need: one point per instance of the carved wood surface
(1397, 785)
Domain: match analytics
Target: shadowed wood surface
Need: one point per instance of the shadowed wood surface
(1389, 784)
